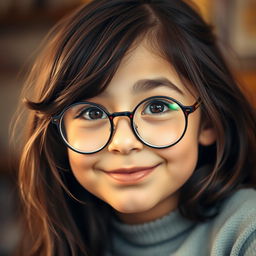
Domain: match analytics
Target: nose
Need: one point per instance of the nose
(123, 139)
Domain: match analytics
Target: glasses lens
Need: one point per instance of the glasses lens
(159, 122)
(85, 127)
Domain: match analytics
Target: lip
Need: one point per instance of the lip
(131, 175)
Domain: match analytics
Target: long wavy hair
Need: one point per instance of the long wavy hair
(79, 58)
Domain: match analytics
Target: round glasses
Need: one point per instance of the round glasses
(158, 122)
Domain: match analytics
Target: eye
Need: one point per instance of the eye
(92, 113)
(156, 107)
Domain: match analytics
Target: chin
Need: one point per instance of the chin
(132, 207)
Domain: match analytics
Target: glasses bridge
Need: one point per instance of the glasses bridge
(124, 113)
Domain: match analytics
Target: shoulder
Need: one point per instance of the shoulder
(234, 229)
(240, 202)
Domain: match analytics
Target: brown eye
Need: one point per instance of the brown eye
(92, 113)
(95, 113)
(155, 107)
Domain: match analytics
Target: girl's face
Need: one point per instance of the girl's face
(153, 191)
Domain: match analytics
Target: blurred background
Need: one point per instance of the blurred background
(24, 23)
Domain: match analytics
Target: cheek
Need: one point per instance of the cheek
(81, 166)
(181, 159)
(181, 164)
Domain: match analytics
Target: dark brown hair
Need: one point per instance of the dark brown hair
(82, 53)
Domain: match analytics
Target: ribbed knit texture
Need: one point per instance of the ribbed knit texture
(232, 232)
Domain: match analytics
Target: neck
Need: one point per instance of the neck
(163, 208)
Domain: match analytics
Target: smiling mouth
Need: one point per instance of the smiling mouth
(131, 175)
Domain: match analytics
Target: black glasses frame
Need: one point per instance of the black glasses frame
(186, 110)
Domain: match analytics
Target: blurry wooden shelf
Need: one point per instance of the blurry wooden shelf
(34, 16)
(247, 79)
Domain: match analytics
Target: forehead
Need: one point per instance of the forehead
(142, 70)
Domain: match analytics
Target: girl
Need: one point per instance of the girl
(138, 140)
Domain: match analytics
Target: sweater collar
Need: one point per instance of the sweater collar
(160, 230)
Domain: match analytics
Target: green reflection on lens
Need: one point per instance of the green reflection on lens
(174, 106)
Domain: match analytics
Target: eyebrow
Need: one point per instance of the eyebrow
(148, 84)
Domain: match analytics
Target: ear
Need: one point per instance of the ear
(207, 135)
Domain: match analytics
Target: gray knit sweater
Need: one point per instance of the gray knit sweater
(232, 232)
